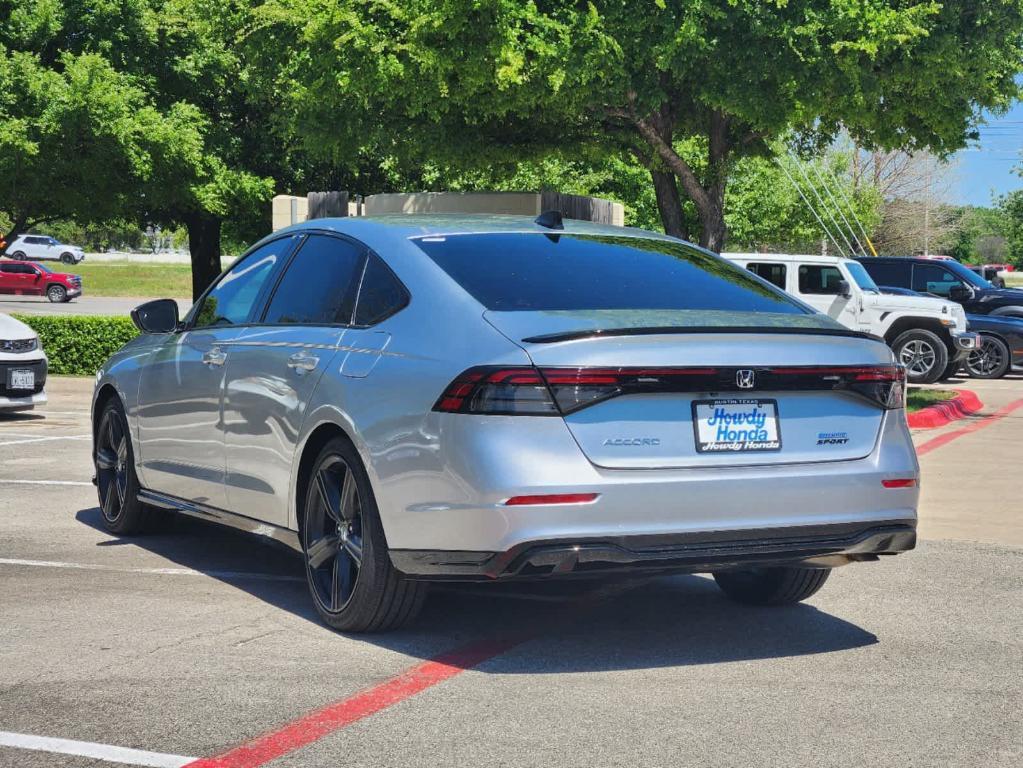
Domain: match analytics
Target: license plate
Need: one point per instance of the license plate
(20, 379)
(736, 425)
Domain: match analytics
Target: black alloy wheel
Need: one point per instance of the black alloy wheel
(333, 535)
(990, 360)
(112, 465)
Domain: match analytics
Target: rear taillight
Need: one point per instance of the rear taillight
(525, 390)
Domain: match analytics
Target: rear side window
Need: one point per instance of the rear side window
(819, 279)
(772, 273)
(886, 273)
(381, 294)
(549, 272)
(318, 287)
(930, 278)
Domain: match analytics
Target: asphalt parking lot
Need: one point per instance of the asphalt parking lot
(196, 643)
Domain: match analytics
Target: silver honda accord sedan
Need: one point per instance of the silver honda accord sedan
(412, 399)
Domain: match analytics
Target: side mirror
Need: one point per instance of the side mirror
(960, 293)
(159, 316)
(844, 289)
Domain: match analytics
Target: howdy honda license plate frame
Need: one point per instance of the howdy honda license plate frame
(736, 425)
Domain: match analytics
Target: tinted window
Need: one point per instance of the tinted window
(232, 299)
(18, 269)
(930, 278)
(772, 273)
(522, 272)
(886, 273)
(318, 287)
(381, 294)
(819, 279)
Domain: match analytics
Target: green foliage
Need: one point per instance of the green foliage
(77, 345)
(980, 235)
(1011, 207)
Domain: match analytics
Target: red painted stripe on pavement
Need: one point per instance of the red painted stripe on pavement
(948, 437)
(321, 722)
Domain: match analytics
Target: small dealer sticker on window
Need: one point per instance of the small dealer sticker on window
(736, 425)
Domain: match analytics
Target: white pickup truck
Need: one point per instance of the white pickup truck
(926, 334)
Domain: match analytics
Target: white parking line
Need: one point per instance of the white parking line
(105, 752)
(5, 481)
(45, 439)
(227, 575)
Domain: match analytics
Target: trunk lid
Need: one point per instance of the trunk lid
(655, 427)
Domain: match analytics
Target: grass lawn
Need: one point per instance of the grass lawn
(919, 398)
(126, 278)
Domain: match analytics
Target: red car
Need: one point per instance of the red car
(26, 278)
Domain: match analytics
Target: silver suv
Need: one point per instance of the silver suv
(44, 248)
(412, 399)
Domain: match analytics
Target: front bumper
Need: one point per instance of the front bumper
(9, 404)
(824, 546)
(965, 342)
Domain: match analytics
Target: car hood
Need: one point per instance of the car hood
(14, 329)
(1002, 323)
(900, 303)
(1000, 296)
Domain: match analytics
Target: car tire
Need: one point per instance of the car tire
(991, 361)
(18, 256)
(57, 294)
(67, 258)
(116, 482)
(771, 586)
(352, 582)
(923, 354)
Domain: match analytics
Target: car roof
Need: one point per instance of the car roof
(417, 225)
(786, 257)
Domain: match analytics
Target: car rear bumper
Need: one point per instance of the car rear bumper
(465, 509)
(823, 546)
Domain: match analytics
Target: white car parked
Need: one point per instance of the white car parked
(44, 248)
(926, 334)
(22, 366)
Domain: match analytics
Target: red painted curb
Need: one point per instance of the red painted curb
(938, 415)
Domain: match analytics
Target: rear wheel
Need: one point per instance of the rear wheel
(923, 354)
(990, 361)
(18, 255)
(67, 258)
(57, 294)
(353, 584)
(771, 586)
(116, 481)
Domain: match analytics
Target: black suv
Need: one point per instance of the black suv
(948, 279)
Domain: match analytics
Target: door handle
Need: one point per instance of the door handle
(300, 361)
(214, 356)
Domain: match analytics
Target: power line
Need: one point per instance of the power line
(820, 200)
(827, 188)
(792, 181)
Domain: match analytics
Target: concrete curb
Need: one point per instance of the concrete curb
(938, 415)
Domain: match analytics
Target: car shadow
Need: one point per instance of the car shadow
(582, 626)
(20, 417)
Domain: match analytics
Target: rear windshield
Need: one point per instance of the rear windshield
(530, 272)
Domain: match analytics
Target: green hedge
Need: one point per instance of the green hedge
(77, 345)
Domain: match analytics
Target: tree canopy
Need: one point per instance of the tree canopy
(471, 81)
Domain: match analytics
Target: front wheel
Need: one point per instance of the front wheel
(352, 582)
(116, 481)
(923, 354)
(990, 361)
(67, 258)
(57, 294)
(771, 586)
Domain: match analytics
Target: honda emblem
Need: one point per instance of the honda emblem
(744, 378)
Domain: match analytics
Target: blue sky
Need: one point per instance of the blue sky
(986, 167)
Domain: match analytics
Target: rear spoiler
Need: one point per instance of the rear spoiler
(550, 338)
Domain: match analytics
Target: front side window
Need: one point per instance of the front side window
(319, 285)
(381, 294)
(233, 298)
(818, 279)
(511, 272)
(772, 273)
(930, 278)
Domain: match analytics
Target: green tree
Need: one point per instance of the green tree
(1011, 208)
(473, 82)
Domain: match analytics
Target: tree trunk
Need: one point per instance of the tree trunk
(712, 224)
(204, 246)
(669, 203)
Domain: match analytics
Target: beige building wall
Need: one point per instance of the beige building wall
(288, 210)
(516, 203)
